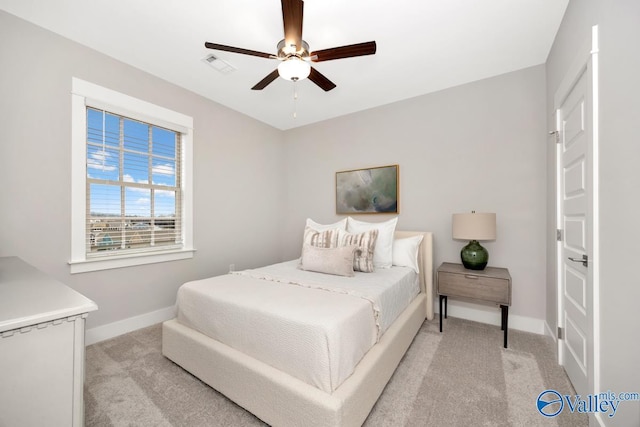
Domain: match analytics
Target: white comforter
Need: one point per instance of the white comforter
(316, 327)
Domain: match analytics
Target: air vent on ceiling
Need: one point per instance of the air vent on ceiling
(219, 64)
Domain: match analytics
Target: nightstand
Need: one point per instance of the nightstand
(490, 286)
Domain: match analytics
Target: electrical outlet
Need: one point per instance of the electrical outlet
(232, 268)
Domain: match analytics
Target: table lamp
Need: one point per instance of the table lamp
(473, 227)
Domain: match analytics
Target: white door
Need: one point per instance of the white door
(575, 216)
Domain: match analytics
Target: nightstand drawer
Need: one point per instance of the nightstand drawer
(473, 286)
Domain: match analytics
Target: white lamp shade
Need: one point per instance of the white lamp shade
(294, 69)
(474, 226)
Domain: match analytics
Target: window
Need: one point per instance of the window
(131, 186)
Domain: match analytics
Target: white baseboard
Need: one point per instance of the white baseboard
(492, 316)
(455, 309)
(111, 330)
(549, 331)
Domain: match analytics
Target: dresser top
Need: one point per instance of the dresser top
(28, 296)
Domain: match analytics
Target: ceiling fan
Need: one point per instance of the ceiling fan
(293, 52)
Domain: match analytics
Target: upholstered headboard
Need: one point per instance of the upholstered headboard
(425, 262)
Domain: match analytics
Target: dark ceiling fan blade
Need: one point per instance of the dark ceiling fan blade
(264, 82)
(292, 11)
(236, 50)
(319, 79)
(359, 49)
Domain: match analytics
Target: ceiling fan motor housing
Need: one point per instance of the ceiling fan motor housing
(285, 51)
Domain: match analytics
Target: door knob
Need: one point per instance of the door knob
(584, 260)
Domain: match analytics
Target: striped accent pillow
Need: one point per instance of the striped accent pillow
(320, 239)
(366, 242)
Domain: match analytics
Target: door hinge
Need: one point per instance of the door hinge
(559, 235)
(560, 333)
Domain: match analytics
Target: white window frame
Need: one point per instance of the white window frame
(85, 94)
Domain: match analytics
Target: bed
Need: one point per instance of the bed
(293, 394)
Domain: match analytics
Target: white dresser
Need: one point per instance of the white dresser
(41, 348)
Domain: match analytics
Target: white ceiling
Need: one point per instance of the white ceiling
(423, 46)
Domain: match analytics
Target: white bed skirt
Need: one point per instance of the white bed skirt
(282, 400)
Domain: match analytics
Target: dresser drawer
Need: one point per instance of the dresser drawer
(475, 287)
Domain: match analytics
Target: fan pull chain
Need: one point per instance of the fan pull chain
(295, 99)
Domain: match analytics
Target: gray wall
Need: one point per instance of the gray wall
(619, 26)
(480, 146)
(237, 173)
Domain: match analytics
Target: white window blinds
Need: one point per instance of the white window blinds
(133, 185)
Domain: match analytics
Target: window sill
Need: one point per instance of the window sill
(97, 264)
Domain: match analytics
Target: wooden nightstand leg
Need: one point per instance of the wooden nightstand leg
(441, 297)
(446, 303)
(505, 322)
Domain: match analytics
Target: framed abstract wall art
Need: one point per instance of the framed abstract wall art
(372, 190)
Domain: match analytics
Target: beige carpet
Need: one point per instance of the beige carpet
(462, 377)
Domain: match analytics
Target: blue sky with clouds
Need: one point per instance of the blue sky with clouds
(149, 156)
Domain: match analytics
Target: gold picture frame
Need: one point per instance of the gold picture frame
(368, 191)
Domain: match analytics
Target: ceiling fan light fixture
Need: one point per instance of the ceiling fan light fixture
(294, 69)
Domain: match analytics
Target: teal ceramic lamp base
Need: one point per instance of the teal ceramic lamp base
(474, 256)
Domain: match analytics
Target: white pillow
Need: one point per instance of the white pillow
(338, 261)
(383, 254)
(342, 224)
(405, 252)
